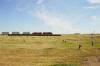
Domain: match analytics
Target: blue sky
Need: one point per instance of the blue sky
(57, 16)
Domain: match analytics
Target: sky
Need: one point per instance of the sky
(57, 16)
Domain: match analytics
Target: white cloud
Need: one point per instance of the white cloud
(40, 1)
(51, 19)
(93, 17)
(93, 4)
(56, 22)
(94, 1)
(94, 20)
(92, 7)
(28, 6)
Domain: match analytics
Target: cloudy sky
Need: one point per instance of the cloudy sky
(57, 16)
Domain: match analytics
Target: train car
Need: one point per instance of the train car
(47, 33)
(33, 34)
(5, 33)
(15, 34)
(37, 34)
(26, 34)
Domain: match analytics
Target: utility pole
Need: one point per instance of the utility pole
(92, 39)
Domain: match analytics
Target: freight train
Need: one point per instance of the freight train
(30, 34)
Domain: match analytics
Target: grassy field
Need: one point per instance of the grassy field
(49, 50)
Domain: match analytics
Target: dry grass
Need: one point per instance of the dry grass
(45, 51)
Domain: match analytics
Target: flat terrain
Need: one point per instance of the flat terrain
(49, 50)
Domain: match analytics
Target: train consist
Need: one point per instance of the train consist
(30, 34)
